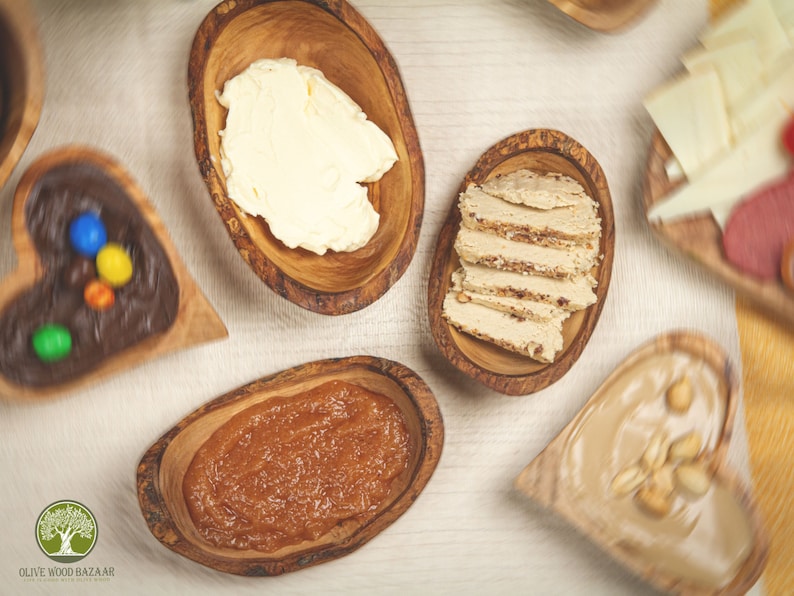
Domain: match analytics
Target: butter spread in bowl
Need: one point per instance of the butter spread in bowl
(295, 151)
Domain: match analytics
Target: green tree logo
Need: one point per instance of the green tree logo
(66, 531)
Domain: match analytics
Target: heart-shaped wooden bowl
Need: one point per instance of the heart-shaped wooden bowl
(59, 185)
(543, 151)
(573, 475)
(333, 37)
(699, 239)
(603, 15)
(21, 82)
(162, 469)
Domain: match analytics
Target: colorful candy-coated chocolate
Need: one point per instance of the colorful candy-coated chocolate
(99, 295)
(87, 234)
(114, 265)
(52, 342)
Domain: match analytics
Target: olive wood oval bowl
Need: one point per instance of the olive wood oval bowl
(546, 480)
(21, 82)
(333, 37)
(603, 15)
(699, 239)
(195, 321)
(162, 469)
(543, 151)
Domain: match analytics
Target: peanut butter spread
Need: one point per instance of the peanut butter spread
(290, 469)
(703, 539)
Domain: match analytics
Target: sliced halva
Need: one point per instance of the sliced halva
(480, 247)
(539, 340)
(570, 294)
(520, 307)
(560, 226)
(540, 191)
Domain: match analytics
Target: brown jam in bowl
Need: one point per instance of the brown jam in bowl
(292, 468)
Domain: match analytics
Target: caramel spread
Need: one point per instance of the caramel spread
(703, 539)
(289, 469)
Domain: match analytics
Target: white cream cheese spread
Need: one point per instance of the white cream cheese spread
(295, 150)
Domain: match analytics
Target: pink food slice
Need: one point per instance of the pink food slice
(759, 229)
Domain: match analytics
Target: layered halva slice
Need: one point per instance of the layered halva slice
(539, 340)
(569, 294)
(541, 191)
(520, 307)
(489, 249)
(562, 227)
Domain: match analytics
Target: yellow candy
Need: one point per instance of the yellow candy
(114, 265)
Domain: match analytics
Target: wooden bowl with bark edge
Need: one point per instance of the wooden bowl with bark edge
(543, 151)
(333, 37)
(603, 15)
(162, 469)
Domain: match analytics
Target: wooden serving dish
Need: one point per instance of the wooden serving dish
(21, 82)
(162, 469)
(333, 37)
(603, 15)
(547, 480)
(543, 151)
(700, 239)
(195, 320)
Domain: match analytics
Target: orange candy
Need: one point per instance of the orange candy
(99, 295)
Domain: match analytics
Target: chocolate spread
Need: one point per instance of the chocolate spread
(144, 307)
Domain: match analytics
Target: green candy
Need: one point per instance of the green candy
(52, 342)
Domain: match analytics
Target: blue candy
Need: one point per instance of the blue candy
(87, 234)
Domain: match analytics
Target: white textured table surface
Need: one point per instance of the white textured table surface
(475, 71)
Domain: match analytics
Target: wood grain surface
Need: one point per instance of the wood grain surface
(22, 82)
(542, 480)
(334, 38)
(162, 469)
(543, 151)
(700, 239)
(196, 320)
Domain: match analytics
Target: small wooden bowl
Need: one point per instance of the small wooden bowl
(195, 322)
(546, 479)
(700, 239)
(333, 37)
(162, 469)
(543, 151)
(603, 15)
(21, 82)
